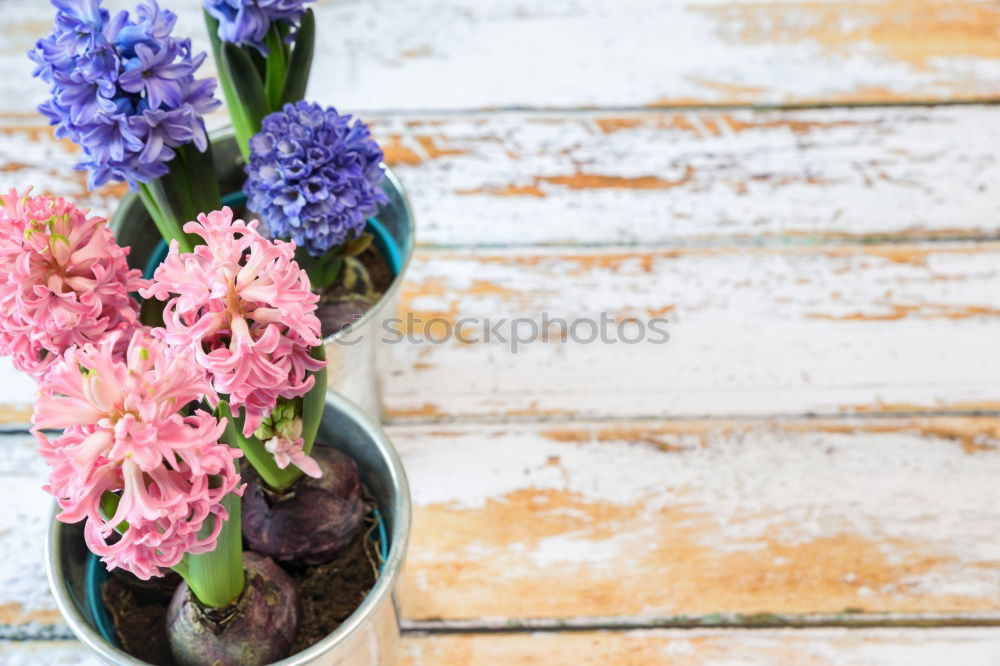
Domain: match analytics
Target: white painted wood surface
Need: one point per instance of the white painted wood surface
(837, 261)
(874, 519)
(968, 647)
(475, 54)
(816, 647)
(699, 177)
(657, 521)
(830, 329)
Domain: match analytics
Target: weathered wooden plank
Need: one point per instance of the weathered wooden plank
(972, 647)
(840, 328)
(26, 602)
(680, 522)
(656, 177)
(672, 520)
(697, 177)
(50, 653)
(828, 647)
(461, 54)
(752, 331)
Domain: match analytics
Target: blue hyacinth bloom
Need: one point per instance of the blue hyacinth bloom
(122, 88)
(247, 21)
(314, 176)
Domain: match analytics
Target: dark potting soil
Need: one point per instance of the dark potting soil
(138, 612)
(327, 594)
(339, 307)
(330, 592)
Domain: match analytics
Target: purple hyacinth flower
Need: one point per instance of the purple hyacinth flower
(161, 129)
(314, 176)
(157, 74)
(248, 21)
(84, 100)
(108, 139)
(105, 74)
(81, 22)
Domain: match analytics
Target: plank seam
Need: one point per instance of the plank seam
(749, 623)
(639, 108)
(722, 418)
(763, 621)
(24, 429)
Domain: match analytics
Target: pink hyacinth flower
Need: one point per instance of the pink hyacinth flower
(64, 281)
(125, 433)
(288, 451)
(245, 307)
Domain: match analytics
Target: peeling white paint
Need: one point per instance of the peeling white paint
(752, 331)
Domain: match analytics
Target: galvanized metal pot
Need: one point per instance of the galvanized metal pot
(357, 356)
(369, 637)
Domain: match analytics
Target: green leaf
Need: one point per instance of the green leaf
(200, 169)
(300, 64)
(216, 577)
(164, 212)
(249, 91)
(258, 60)
(353, 248)
(324, 270)
(314, 402)
(276, 67)
(241, 123)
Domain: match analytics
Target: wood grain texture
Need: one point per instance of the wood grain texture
(473, 54)
(656, 522)
(976, 647)
(829, 647)
(673, 520)
(26, 606)
(655, 177)
(831, 329)
(49, 653)
(752, 331)
(699, 177)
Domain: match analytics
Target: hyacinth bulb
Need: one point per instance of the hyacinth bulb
(258, 629)
(314, 521)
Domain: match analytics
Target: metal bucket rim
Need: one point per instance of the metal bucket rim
(397, 280)
(379, 594)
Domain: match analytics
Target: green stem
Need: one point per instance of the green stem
(216, 578)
